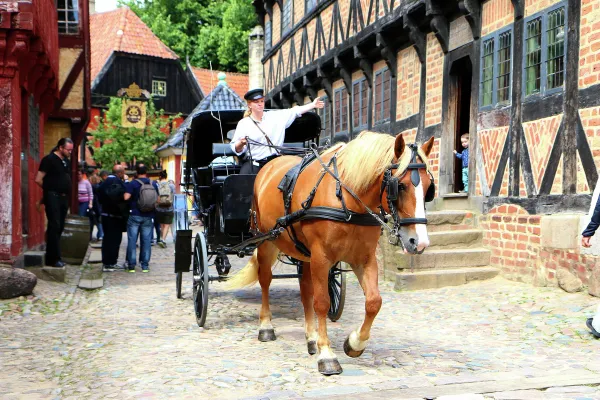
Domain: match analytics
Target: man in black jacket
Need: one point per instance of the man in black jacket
(114, 208)
(587, 234)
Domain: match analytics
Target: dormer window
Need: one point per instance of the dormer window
(68, 16)
(159, 88)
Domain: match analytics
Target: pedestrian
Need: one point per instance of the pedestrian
(111, 196)
(164, 209)
(266, 130)
(464, 157)
(586, 237)
(142, 195)
(95, 181)
(54, 178)
(85, 196)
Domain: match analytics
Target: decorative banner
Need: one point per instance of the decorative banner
(133, 114)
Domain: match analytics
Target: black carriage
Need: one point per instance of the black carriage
(222, 200)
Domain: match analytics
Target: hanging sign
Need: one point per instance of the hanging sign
(133, 114)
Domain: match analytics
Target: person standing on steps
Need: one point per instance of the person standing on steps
(54, 178)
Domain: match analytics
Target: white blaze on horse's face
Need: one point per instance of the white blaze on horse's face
(420, 213)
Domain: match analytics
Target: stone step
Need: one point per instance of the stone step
(455, 201)
(442, 278)
(449, 220)
(455, 239)
(33, 258)
(445, 258)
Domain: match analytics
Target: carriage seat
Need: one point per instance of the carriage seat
(222, 150)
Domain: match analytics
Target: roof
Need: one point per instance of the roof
(122, 30)
(207, 80)
(220, 99)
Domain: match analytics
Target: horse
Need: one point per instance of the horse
(371, 166)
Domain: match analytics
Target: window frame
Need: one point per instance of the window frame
(338, 111)
(286, 28)
(362, 86)
(66, 12)
(544, 91)
(496, 68)
(384, 118)
(159, 81)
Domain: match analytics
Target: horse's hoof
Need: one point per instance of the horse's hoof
(312, 347)
(329, 366)
(266, 335)
(350, 352)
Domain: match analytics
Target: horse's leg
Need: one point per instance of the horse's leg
(267, 255)
(306, 293)
(327, 361)
(356, 342)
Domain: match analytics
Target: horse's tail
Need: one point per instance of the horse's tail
(246, 276)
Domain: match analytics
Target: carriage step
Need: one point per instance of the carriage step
(434, 279)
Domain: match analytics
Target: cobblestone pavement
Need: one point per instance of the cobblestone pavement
(135, 339)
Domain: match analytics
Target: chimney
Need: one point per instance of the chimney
(92, 7)
(256, 50)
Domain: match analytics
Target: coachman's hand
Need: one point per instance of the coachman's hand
(585, 241)
(318, 103)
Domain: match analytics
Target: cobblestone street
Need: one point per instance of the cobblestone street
(135, 339)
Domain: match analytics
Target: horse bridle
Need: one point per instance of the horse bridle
(392, 186)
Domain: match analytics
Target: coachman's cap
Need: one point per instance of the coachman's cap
(254, 94)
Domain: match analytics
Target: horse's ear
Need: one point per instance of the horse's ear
(399, 145)
(427, 146)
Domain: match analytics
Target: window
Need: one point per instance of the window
(159, 88)
(360, 98)
(340, 107)
(309, 5)
(496, 67)
(68, 16)
(382, 96)
(545, 51)
(288, 16)
(325, 114)
(268, 35)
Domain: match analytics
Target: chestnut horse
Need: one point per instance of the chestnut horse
(362, 164)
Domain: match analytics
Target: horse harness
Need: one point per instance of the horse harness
(390, 184)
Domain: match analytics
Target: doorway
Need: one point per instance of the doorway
(461, 75)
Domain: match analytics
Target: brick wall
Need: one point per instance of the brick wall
(326, 20)
(435, 67)
(365, 11)
(311, 29)
(513, 236)
(409, 83)
(589, 44)
(582, 185)
(67, 59)
(285, 51)
(276, 25)
(54, 130)
(590, 119)
(533, 6)
(496, 14)
(491, 143)
(74, 100)
(298, 11)
(540, 136)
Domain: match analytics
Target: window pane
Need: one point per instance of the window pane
(378, 108)
(364, 103)
(337, 109)
(287, 15)
(309, 5)
(356, 104)
(344, 121)
(267, 35)
(504, 54)
(487, 81)
(555, 63)
(533, 56)
(60, 4)
(386, 94)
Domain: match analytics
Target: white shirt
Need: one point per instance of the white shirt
(274, 124)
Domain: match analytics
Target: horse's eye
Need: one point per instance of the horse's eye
(401, 187)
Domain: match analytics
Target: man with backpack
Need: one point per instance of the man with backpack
(115, 210)
(142, 195)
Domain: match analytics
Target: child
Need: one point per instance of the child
(464, 156)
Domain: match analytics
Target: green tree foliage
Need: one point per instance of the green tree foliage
(206, 31)
(121, 144)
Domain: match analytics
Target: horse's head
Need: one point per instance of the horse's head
(407, 186)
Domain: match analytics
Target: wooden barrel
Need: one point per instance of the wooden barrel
(75, 239)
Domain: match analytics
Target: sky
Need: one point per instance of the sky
(105, 5)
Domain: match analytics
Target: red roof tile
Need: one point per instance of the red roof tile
(207, 80)
(122, 30)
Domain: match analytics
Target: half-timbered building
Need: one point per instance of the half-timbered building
(521, 76)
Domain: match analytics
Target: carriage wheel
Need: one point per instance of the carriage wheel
(337, 291)
(178, 282)
(200, 276)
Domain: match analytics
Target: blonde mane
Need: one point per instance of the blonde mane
(365, 158)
